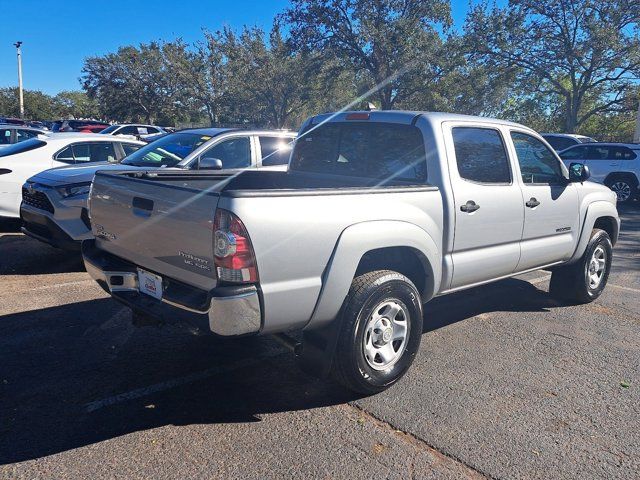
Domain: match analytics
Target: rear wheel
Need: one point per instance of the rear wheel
(584, 281)
(625, 187)
(381, 328)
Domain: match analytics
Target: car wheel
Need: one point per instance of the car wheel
(584, 281)
(624, 188)
(381, 328)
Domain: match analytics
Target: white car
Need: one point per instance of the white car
(133, 130)
(561, 141)
(22, 160)
(11, 134)
(616, 165)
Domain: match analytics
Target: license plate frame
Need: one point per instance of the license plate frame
(150, 284)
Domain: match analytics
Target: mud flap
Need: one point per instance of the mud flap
(318, 349)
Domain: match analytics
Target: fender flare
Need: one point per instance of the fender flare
(594, 211)
(358, 239)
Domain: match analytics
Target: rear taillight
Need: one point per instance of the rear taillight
(233, 253)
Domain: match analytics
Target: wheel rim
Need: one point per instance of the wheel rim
(622, 190)
(385, 336)
(596, 267)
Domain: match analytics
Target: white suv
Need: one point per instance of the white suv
(617, 165)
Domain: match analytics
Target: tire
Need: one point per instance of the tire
(576, 283)
(624, 186)
(379, 307)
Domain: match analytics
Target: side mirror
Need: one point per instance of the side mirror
(578, 172)
(208, 163)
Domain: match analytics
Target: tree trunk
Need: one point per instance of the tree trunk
(571, 114)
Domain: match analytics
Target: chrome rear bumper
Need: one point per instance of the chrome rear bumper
(228, 311)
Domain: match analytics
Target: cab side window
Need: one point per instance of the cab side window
(576, 153)
(88, 152)
(234, 152)
(5, 136)
(275, 150)
(537, 163)
(481, 156)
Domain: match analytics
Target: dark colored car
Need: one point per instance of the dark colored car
(86, 126)
(11, 121)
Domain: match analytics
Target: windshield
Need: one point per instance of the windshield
(167, 151)
(109, 129)
(21, 147)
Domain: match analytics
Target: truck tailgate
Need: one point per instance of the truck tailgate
(146, 220)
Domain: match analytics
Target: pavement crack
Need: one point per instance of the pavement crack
(472, 472)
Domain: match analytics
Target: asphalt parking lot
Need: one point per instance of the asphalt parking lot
(508, 384)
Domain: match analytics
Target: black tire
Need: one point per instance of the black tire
(625, 187)
(368, 292)
(571, 283)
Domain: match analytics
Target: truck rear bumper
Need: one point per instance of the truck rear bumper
(227, 311)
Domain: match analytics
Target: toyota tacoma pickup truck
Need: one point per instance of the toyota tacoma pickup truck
(378, 213)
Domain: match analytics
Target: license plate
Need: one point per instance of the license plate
(150, 284)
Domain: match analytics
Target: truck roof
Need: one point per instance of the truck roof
(408, 116)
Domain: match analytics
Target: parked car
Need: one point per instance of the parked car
(11, 121)
(348, 244)
(10, 134)
(560, 141)
(616, 165)
(22, 160)
(133, 130)
(63, 220)
(85, 126)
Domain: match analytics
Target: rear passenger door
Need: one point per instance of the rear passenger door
(551, 221)
(489, 214)
(601, 161)
(273, 152)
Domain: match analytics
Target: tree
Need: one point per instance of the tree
(394, 44)
(137, 83)
(585, 53)
(76, 104)
(37, 105)
(270, 83)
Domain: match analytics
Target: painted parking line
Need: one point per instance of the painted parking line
(629, 289)
(176, 382)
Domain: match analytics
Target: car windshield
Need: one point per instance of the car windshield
(167, 151)
(22, 147)
(109, 129)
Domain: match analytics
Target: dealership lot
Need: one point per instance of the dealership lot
(509, 384)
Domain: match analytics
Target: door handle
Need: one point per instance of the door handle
(469, 207)
(532, 203)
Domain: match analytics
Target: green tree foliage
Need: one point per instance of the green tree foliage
(137, 83)
(76, 104)
(584, 55)
(394, 45)
(270, 83)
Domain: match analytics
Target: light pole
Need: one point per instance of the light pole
(17, 45)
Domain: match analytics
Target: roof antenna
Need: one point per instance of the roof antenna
(370, 106)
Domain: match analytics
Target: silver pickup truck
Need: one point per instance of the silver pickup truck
(378, 213)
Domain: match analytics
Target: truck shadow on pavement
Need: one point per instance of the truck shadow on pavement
(78, 374)
(42, 258)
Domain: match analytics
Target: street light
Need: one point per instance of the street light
(17, 45)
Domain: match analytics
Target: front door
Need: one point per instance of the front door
(551, 218)
(488, 205)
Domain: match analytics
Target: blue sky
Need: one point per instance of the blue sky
(58, 35)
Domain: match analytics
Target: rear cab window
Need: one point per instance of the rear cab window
(387, 152)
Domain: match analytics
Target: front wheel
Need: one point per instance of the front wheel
(584, 281)
(381, 328)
